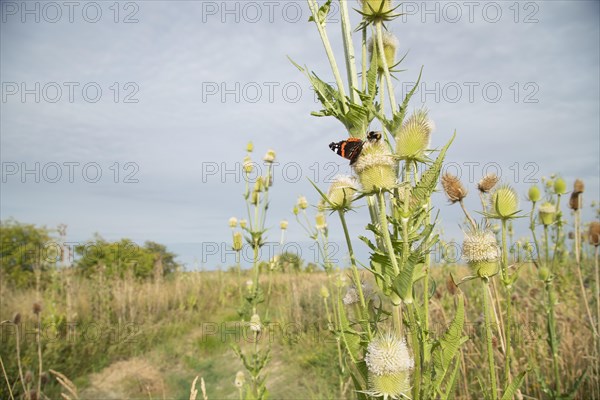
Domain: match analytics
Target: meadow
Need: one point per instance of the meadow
(499, 318)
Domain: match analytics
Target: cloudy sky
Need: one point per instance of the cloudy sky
(130, 120)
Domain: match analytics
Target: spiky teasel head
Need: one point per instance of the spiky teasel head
(487, 183)
(237, 241)
(255, 323)
(353, 297)
(240, 379)
(560, 186)
(578, 186)
(302, 203)
(283, 224)
(505, 202)
(320, 222)
(574, 201)
(243, 223)
(594, 233)
(547, 212)
(17, 318)
(37, 308)
(269, 156)
(233, 222)
(376, 167)
(247, 164)
(534, 195)
(341, 192)
(375, 10)
(250, 147)
(412, 140)
(453, 188)
(389, 364)
(324, 292)
(481, 251)
(390, 45)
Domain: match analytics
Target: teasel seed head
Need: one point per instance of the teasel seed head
(238, 241)
(255, 323)
(233, 222)
(247, 165)
(376, 167)
(389, 364)
(320, 222)
(254, 198)
(324, 292)
(373, 10)
(243, 223)
(481, 251)
(28, 376)
(594, 233)
(487, 183)
(341, 192)
(453, 188)
(505, 202)
(17, 318)
(547, 211)
(37, 308)
(283, 224)
(240, 379)
(390, 45)
(302, 203)
(269, 156)
(574, 201)
(544, 273)
(560, 186)
(413, 138)
(578, 186)
(534, 195)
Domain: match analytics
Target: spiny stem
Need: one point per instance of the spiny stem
(352, 260)
(386, 71)
(488, 339)
(349, 51)
(508, 289)
(471, 220)
(314, 9)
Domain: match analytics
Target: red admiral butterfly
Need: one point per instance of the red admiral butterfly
(351, 147)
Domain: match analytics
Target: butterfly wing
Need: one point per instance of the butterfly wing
(349, 149)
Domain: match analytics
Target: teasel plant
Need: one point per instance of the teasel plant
(256, 196)
(397, 176)
(487, 259)
(549, 216)
(339, 197)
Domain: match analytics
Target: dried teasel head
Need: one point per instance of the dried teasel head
(453, 188)
(37, 308)
(578, 186)
(594, 233)
(487, 183)
(574, 201)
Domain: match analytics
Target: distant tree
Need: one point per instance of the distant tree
(24, 247)
(119, 258)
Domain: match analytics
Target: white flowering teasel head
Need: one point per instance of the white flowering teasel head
(341, 192)
(481, 251)
(389, 364)
(376, 167)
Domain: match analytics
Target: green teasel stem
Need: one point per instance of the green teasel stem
(386, 71)
(558, 231)
(314, 9)
(407, 193)
(417, 345)
(488, 338)
(532, 229)
(383, 222)
(552, 334)
(352, 261)
(508, 289)
(546, 246)
(349, 51)
(364, 58)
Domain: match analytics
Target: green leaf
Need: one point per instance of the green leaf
(509, 392)
(321, 13)
(422, 191)
(447, 347)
